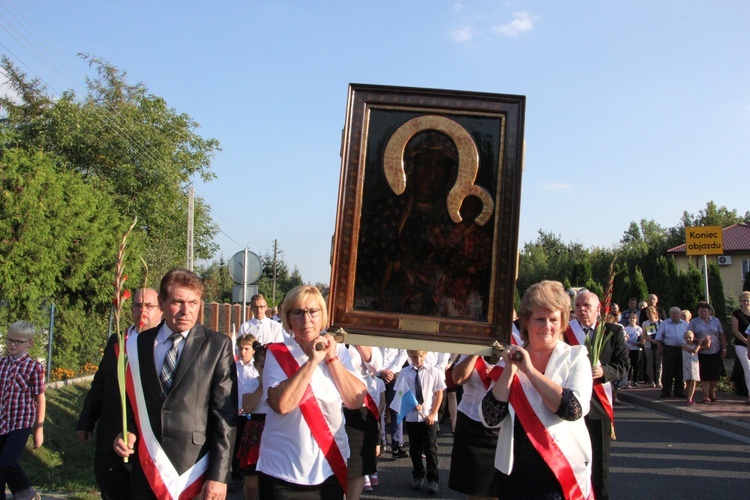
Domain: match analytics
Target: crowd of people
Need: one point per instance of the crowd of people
(288, 412)
(678, 352)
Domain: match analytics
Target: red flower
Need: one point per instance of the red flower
(125, 294)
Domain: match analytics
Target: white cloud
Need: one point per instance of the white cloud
(462, 34)
(556, 187)
(521, 23)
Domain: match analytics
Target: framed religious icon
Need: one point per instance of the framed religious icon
(425, 248)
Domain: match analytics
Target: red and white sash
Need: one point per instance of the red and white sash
(162, 477)
(313, 416)
(372, 406)
(515, 336)
(576, 336)
(484, 375)
(481, 367)
(546, 445)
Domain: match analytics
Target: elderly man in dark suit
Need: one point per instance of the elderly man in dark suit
(613, 364)
(102, 403)
(183, 399)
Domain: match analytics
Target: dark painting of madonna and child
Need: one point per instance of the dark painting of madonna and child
(427, 225)
(412, 256)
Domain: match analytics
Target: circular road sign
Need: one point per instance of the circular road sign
(239, 272)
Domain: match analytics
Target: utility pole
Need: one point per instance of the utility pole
(190, 234)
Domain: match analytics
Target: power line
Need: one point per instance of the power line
(27, 37)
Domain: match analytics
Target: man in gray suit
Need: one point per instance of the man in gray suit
(183, 400)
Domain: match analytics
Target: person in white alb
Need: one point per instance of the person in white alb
(264, 329)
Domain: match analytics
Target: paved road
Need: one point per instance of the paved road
(656, 456)
(395, 475)
(661, 456)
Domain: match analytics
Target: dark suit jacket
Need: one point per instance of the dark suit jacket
(615, 360)
(102, 404)
(199, 415)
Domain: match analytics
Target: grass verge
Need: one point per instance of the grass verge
(63, 464)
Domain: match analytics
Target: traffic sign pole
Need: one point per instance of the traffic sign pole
(704, 240)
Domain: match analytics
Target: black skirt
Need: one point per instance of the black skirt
(709, 366)
(473, 459)
(362, 432)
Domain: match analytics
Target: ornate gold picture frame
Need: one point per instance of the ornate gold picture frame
(426, 238)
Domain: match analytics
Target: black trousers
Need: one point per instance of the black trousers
(423, 439)
(113, 481)
(272, 488)
(236, 473)
(635, 366)
(601, 441)
(672, 371)
(393, 429)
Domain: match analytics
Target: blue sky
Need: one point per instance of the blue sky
(634, 110)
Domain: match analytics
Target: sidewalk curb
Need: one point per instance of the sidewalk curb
(738, 422)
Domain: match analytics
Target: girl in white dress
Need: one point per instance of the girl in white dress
(690, 366)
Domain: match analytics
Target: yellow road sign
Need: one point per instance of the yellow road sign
(704, 240)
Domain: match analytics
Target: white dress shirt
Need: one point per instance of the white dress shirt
(265, 331)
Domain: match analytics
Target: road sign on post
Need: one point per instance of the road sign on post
(242, 272)
(704, 240)
(244, 268)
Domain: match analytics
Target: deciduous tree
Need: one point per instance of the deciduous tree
(75, 171)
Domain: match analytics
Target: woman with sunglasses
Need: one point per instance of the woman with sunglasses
(307, 379)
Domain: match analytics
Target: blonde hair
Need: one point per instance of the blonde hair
(297, 297)
(412, 352)
(549, 295)
(23, 329)
(688, 334)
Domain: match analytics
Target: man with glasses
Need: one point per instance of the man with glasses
(260, 326)
(102, 403)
